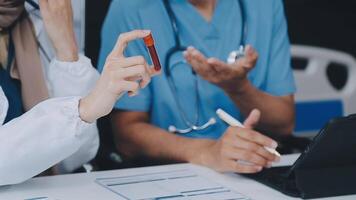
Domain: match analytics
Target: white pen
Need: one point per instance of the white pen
(234, 122)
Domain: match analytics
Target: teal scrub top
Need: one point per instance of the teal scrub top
(267, 33)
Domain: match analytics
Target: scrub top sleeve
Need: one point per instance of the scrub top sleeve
(124, 17)
(280, 79)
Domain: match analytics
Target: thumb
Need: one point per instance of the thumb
(253, 119)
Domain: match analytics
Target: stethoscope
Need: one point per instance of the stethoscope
(43, 50)
(178, 47)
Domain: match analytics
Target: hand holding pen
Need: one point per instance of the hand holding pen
(249, 124)
(240, 150)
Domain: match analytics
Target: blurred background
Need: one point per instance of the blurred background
(324, 49)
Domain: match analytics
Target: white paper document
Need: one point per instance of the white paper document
(171, 185)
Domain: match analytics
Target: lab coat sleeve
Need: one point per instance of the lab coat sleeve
(42, 137)
(75, 79)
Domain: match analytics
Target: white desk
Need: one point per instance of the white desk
(84, 187)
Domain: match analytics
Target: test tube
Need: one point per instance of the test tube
(150, 44)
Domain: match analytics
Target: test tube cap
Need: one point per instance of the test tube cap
(149, 41)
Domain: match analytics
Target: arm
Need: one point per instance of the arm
(222, 155)
(249, 98)
(276, 101)
(153, 142)
(69, 74)
(75, 79)
(53, 130)
(36, 141)
(232, 78)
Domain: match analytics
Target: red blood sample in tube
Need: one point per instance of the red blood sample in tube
(150, 44)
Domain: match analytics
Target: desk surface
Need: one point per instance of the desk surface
(84, 187)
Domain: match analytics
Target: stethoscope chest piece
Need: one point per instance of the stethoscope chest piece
(236, 55)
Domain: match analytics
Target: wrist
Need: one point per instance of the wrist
(199, 152)
(67, 54)
(239, 88)
(86, 111)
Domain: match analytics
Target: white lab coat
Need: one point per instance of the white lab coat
(52, 131)
(68, 79)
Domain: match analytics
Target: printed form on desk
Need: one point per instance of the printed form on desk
(170, 185)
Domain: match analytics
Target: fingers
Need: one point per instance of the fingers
(248, 156)
(253, 119)
(257, 149)
(131, 87)
(256, 137)
(134, 73)
(146, 77)
(153, 72)
(243, 169)
(196, 59)
(124, 39)
(130, 61)
(201, 66)
(249, 60)
(197, 55)
(133, 61)
(219, 65)
(246, 169)
(133, 69)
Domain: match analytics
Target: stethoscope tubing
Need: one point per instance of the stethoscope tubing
(179, 48)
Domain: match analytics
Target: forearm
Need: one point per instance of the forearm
(142, 139)
(278, 113)
(72, 78)
(84, 154)
(42, 137)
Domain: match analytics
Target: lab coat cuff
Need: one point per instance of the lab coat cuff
(77, 68)
(72, 111)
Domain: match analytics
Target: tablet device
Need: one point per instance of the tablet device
(326, 168)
